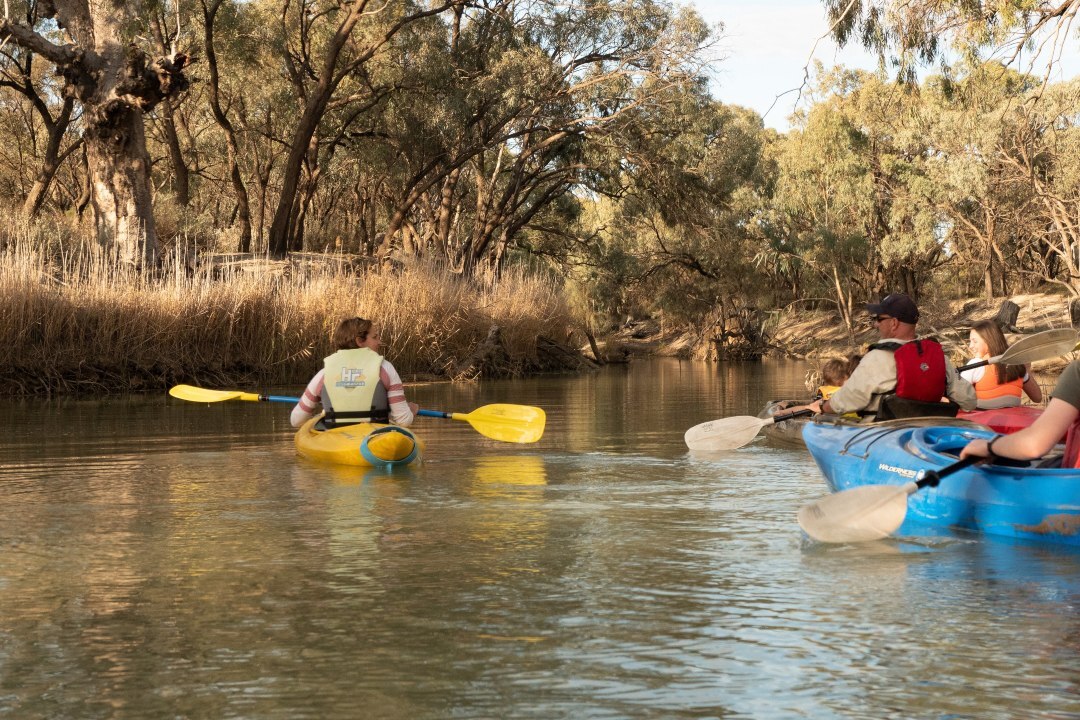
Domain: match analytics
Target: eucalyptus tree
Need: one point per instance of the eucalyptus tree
(859, 192)
(677, 232)
(326, 50)
(164, 36)
(906, 33)
(531, 91)
(110, 70)
(1043, 151)
(824, 193)
(699, 179)
(984, 206)
(904, 228)
(46, 124)
(243, 89)
(256, 100)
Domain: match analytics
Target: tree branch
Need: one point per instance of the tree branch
(26, 38)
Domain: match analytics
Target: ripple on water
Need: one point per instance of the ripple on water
(204, 571)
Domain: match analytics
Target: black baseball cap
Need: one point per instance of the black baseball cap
(897, 305)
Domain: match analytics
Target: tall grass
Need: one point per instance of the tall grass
(74, 321)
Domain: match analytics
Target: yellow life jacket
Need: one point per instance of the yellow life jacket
(352, 391)
(826, 391)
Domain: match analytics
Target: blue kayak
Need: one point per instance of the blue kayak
(1033, 503)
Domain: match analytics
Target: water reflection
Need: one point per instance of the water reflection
(509, 476)
(969, 600)
(173, 559)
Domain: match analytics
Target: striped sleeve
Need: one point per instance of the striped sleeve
(400, 412)
(309, 401)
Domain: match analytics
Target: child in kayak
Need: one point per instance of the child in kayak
(834, 373)
(362, 387)
(832, 376)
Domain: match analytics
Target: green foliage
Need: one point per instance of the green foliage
(908, 33)
(582, 139)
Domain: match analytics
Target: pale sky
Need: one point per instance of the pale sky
(766, 44)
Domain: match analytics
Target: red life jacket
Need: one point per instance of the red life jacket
(1071, 459)
(920, 369)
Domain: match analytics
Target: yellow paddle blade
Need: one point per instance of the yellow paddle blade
(508, 423)
(198, 394)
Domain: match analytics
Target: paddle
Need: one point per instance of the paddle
(508, 423)
(1040, 346)
(869, 512)
(198, 394)
(733, 432)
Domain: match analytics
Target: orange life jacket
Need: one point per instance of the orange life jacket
(988, 387)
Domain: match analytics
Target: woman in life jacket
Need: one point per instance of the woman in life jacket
(1060, 418)
(356, 384)
(997, 386)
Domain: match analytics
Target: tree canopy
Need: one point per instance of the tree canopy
(581, 139)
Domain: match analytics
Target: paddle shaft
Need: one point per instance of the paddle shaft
(981, 363)
(931, 478)
(294, 400)
(781, 417)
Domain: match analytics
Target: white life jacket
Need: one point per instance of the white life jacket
(352, 391)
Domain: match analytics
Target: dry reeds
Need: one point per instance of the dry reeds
(75, 321)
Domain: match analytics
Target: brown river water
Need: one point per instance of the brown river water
(168, 559)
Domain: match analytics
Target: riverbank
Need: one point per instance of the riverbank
(817, 335)
(77, 324)
(820, 334)
(73, 323)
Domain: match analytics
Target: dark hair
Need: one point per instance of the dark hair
(991, 334)
(344, 338)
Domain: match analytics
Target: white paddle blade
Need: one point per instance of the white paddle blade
(870, 512)
(724, 434)
(1040, 346)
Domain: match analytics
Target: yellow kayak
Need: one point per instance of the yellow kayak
(363, 444)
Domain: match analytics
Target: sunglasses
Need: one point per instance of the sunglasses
(875, 319)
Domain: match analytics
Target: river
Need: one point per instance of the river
(161, 558)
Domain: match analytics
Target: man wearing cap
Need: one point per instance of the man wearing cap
(900, 365)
